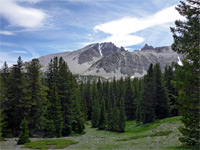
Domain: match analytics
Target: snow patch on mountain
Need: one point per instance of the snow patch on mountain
(100, 50)
(179, 62)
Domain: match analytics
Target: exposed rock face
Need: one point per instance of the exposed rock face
(147, 47)
(97, 50)
(107, 60)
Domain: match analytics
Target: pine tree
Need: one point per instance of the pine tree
(122, 117)
(24, 132)
(78, 115)
(129, 100)
(139, 101)
(172, 93)
(2, 101)
(16, 105)
(109, 116)
(161, 103)
(65, 95)
(187, 80)
(36, 95)
(147, 99)
(88, 99)
(54, 114)
(102, 118)
(95, 106)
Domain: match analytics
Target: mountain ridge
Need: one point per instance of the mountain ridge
(108, 60)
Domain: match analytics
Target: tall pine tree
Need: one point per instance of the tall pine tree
(36, 95)
(187, 80)
(54, 114)
(161, 103)
(16, 105)
(129, 100)
(147, 99)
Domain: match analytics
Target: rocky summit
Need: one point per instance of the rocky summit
(108, 60)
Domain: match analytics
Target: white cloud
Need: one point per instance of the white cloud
(6, 33)
(7, 44)
(122, 29)
(124, 40)
(19, 52)
(21, 16)
(28, 1)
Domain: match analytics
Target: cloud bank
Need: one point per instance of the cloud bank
(20, 16)
(121, 31)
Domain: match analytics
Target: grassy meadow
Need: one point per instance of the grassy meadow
(162, 134)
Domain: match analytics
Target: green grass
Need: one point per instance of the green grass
(132, 127)
(184, 147)
(161, 133)
(50, 143)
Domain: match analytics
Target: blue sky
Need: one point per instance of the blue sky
(32, 28)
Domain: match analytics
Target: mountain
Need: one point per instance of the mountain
(107, 60)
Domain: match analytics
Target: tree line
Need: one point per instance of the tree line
(49, 102)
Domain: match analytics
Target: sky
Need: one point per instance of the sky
(33, 28)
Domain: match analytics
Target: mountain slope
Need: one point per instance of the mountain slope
(107, 60)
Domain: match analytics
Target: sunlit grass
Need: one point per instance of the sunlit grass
(50, 143)
(161, 133)
(132, 127)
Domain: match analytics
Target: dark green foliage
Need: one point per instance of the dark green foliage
(95, 106)
(129, 100)
(36, 94)
(147, 99)
(87, 97)
(160, 98)
(102, 117)
(122, 117)
(172, 92)
(95, 113)
(54, 114)
(139, 90)
(110, 120)
(16, 104)
(187, 80)
(24, 132)
(2, 115)
(60, 78)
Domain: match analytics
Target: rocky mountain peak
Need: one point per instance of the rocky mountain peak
(98, 50)
(147, 47)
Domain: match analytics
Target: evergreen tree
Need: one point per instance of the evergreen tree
(139, 101)
(65, 95)
(122, 117)
(95, 106)
(2, 101)
(16, 104)
(88, 99)
(187, 80)
(102, 118)
(36, 95)
(129, 100)
(172, 93)
(24, 132)
(78, 116)
(109, 116)
(147, 99)
(161, 104)
(54, 114)
(83, 100)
